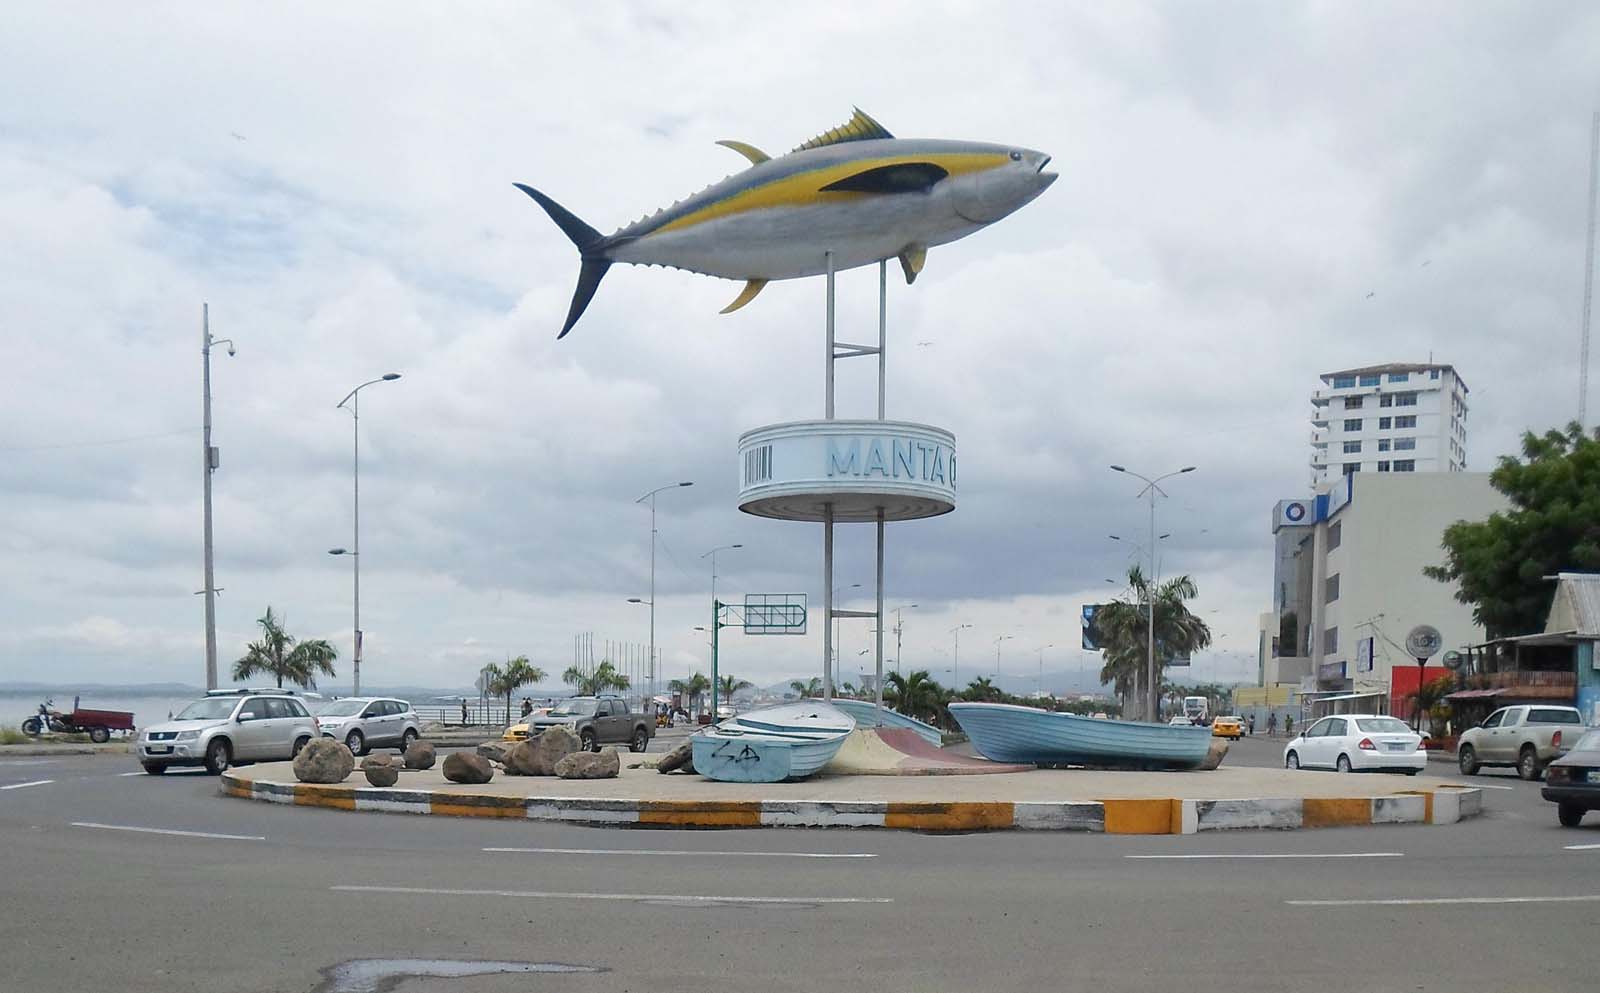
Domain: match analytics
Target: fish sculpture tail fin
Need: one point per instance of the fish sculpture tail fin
(591, 244)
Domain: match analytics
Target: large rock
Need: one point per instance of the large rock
(590, 765)
(380, 770)
(552, 745)
(681, 757)
(1214, 755)
(465, 767)
(495, 751)
(420, 755)
(323, 760)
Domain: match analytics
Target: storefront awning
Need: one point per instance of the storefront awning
(1474, 694)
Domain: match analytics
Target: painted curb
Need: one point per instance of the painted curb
(1445, 805)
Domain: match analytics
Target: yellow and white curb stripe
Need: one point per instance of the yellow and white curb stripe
(1112, 816)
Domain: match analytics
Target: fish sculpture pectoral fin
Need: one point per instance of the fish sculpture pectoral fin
(751, 152)
(902, 177)
(911, 259)
(751, 288)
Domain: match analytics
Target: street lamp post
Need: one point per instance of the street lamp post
(899, 629)
(833, 663)
(1038, 690)
(997, 641)
(955, 656)
(716, 622)
(210, 461)
(651, 496)
(353, 398)
(1151, 488)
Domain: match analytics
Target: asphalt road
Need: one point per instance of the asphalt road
(296, 892)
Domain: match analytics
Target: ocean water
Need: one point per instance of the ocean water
(18, 707)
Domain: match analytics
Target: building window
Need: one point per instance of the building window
(1332, 589)
(1406, 421)
(1330, 641)
(1383, 444)
(1371, 380)
(1352, 447)
(1343, 382)
(1433, 374)
(1353, 403)
(1399, 377)
(1405, 399)
(1405, 444)
(1405, 465)
(1351, 468)
(1387, 400)
(1335, 535)
(1383, 467)
(1385, 423)
(1352, 424)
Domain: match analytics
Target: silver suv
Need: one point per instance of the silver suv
(364, 722)
(228, 726)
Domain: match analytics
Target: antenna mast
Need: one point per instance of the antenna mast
(1588, 274)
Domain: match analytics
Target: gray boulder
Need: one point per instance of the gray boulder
(681, 757)
(323, 760)
(420, 755)
(465, 767)
(1214, 755)
(380, 770)
(495, 751)
(590, 765)
(552, 745)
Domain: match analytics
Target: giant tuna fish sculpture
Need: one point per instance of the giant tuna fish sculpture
(856, 191)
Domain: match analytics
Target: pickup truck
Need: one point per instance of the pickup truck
(1528, 736)
(598, 720)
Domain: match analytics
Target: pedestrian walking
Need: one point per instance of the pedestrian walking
(1288, 726)
(1272, 725)
(1252, 725)
(463, 713)
(527, 707)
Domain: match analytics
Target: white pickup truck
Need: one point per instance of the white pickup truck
(1528, 736)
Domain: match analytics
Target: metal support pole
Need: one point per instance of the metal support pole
(883, 334)
(355, 410)
(1152, 705)
(716, 634)
(652, 594)
(878, 683)
(827, 600)
(828, 410)
(205, 454)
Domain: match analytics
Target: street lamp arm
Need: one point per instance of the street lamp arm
(658, 489)
(387, 377)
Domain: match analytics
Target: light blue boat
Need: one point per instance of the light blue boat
(1005, 733)
(772, 745)
(866, 715)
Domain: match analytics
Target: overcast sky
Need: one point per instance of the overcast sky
(1248, 195)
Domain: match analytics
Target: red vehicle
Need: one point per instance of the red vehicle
(97, 724)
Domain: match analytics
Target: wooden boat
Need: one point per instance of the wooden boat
(792, 741)
(1005, 733)
(866, 715)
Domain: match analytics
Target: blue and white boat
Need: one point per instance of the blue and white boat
(1006, 733)
(772, 745)
(866, 714)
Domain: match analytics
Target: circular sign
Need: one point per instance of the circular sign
(802, 470)
(1453, 659)
(1424, 641)
(1295, 512)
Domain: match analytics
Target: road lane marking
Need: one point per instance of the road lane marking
(29, 761)
(1437, 901)
(1306, 855)
(172, 831)
(1490, 786)
(1579, 848)
(668, 851)
(19, 786)
(622, 897)
(136, 772)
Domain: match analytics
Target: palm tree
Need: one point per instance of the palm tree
(812, 688)
(1428, 696)
(278, 655)
(1124, 632)
(981, 689)
(605, 677)
(727, 686)
(915, 695)
(516, 673)
(691, 689)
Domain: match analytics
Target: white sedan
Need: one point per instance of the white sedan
(1357, 743)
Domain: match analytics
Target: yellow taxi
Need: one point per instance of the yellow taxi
(519, 732)
(1227, 727)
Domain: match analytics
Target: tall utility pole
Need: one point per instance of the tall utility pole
(210, 460)
(1152, 701)
(354, 399)
(955, 656)
(998, 639)
(651, 496)
(899, 629)
(1588, 274)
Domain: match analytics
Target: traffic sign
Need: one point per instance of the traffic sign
(1424, 641)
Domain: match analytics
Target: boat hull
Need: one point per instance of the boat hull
(772, 745)
(866, 715)
(1005, 733)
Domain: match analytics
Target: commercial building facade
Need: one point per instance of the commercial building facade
(1394, 418)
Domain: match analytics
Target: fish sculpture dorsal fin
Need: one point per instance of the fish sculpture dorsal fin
(860, 127)
(751, 152)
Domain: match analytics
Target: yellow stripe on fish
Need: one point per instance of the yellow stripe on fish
(802, 189)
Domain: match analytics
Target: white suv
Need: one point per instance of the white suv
(364, 722)
(228, 726)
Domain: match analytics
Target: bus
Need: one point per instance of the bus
(1196, 709)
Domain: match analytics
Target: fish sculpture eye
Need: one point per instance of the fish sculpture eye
(1016, 156)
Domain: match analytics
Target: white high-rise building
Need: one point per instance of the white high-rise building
(1388, 418)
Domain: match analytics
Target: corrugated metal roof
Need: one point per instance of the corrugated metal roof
(1576, 607)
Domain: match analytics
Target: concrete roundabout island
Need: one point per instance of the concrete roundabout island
(1041, 799)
